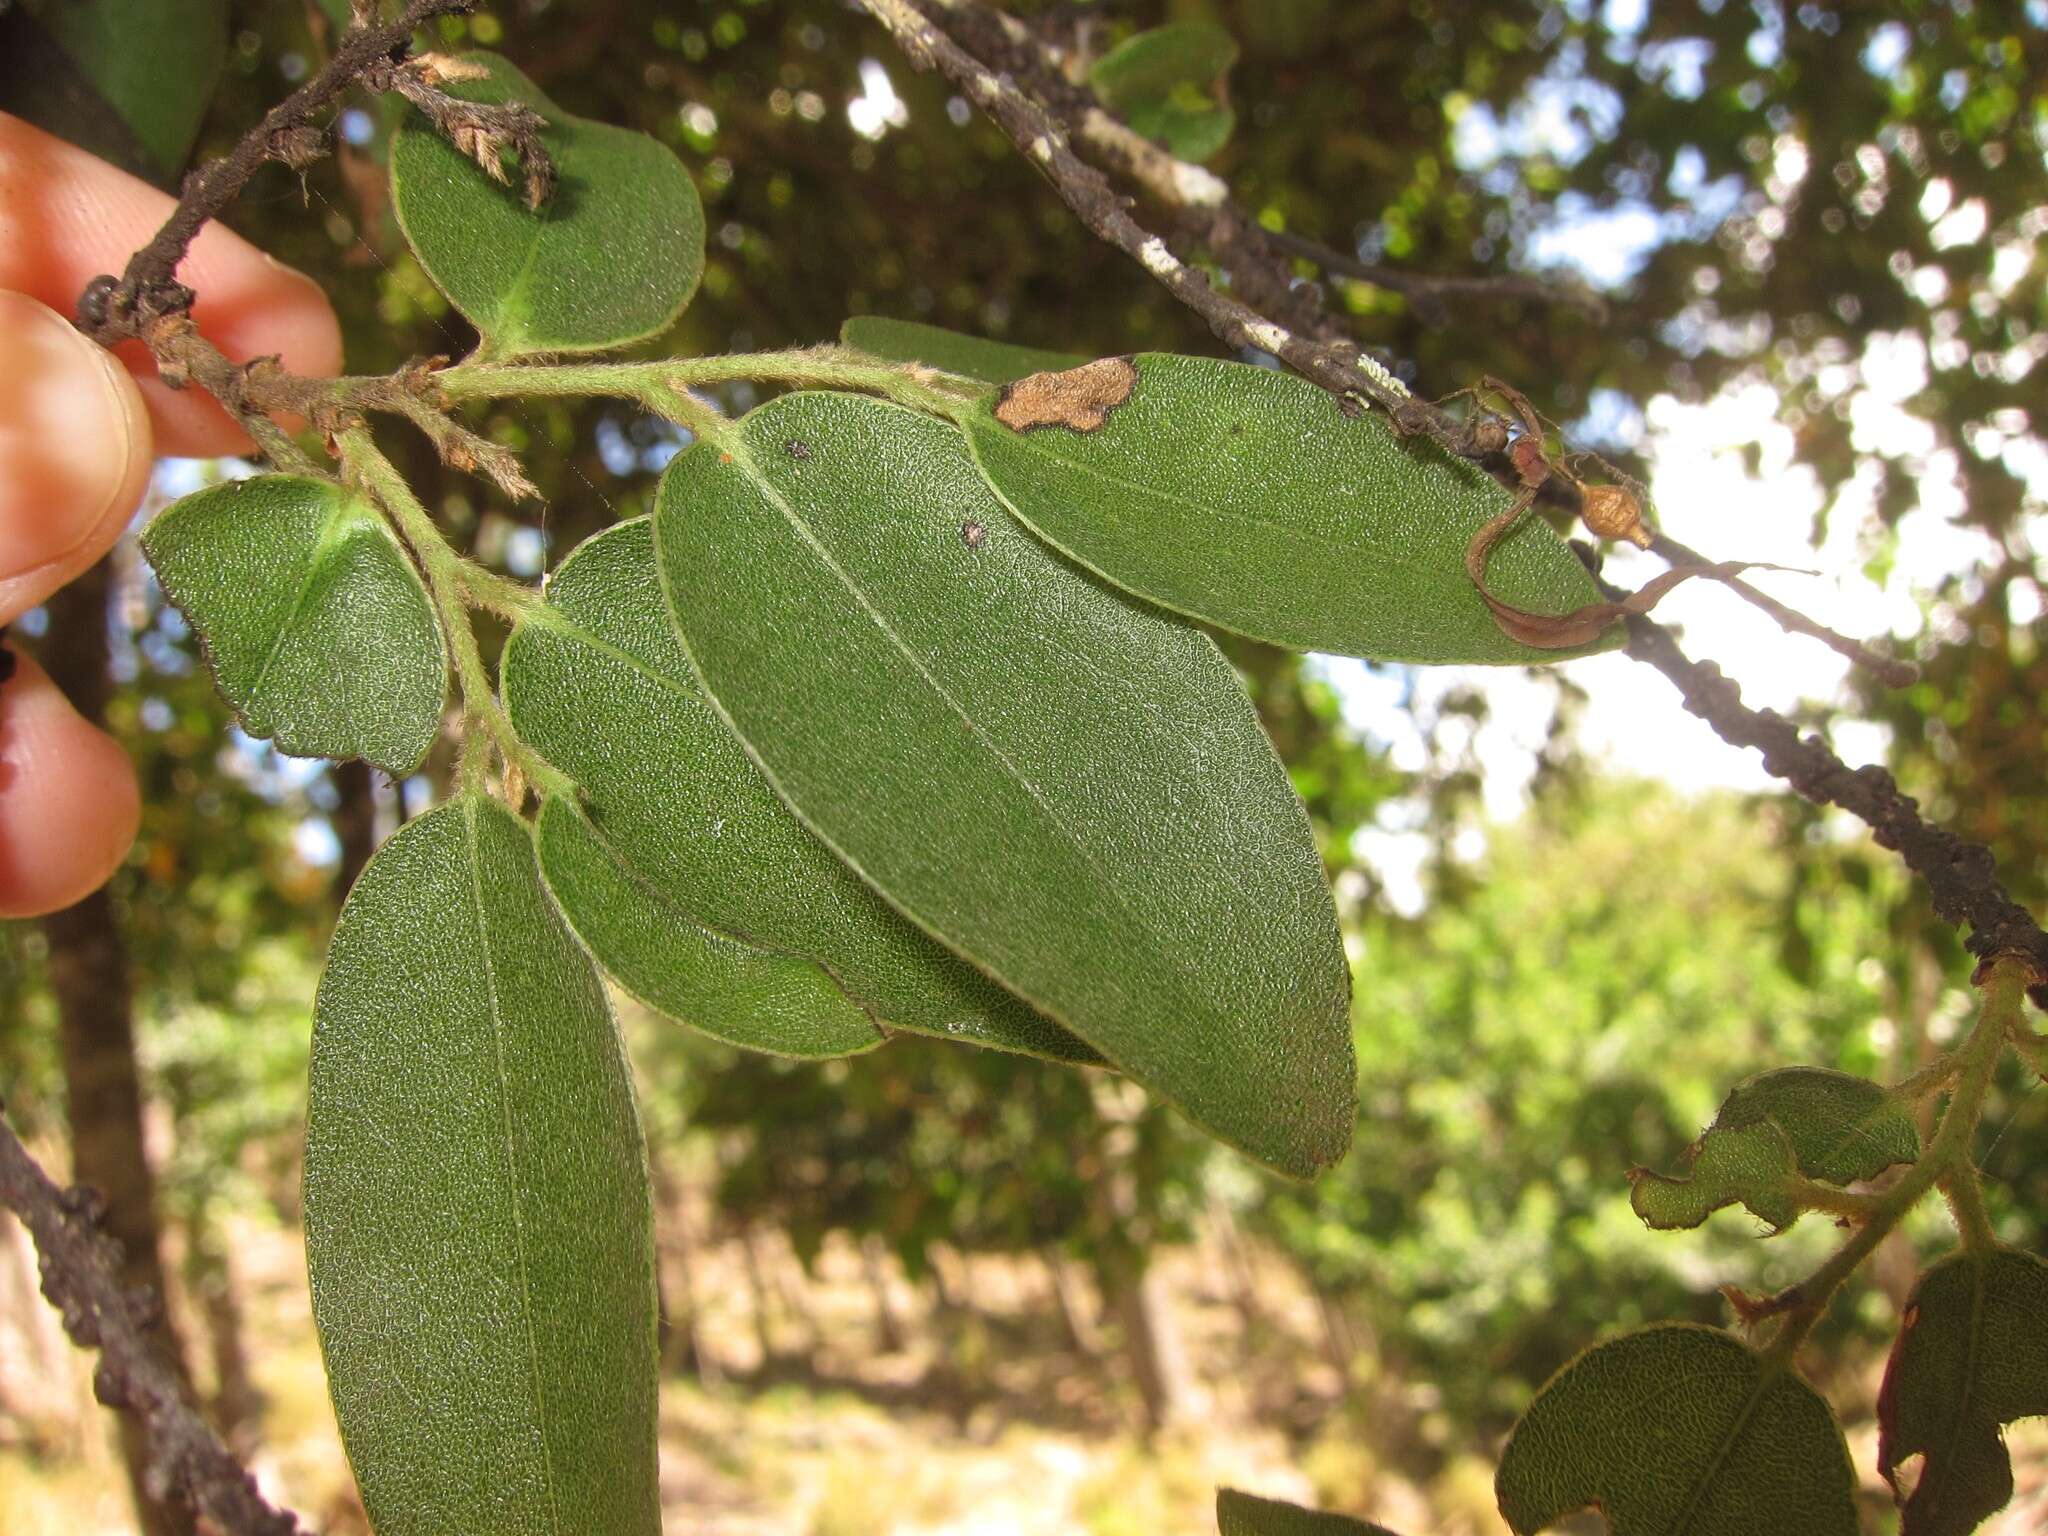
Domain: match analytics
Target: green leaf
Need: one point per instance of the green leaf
(1752, 1164)
(906, 341)
(320, 633)
(1774, 1127)
(1842, 1128)
(1164, 84)
(683, 835)
(1677, 1430)
(656, 950)
(477, 1219)
(1245, 1514)
(129, 80)
(1244, 497)
(1971, 1356)
(1070, 791)
(611, 257)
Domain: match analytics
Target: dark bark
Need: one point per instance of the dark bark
(874, 1262)
(1134, 1288)
(88, 971)
(355, 823)
(1075, 1314)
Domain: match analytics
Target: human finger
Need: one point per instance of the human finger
(67, 216)
(69, 807)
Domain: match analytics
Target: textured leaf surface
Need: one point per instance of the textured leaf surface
(657, 951)
(1772, 1128)
(1678, 1430)
(906, 341)
(683, 835)
(1972, 1355)
(477, 1221)
(319, 630)
(1246, 1514)
(129, 80)
(612, 256)
(1069, 790)
(1164, 83)
(1751, 1164)
(1842, 1127)
(1244, 497)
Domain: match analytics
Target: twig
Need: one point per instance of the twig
(147, 303)
(1338, 365)
(113, 310)
(81, 1269)
(1254, 256)
(1888, 670)
(1961, 878)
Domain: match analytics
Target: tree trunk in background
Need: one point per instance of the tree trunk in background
(88, 970)
(355, 823)
(1073, 1305)
(1237, 1269)
(1134, 1289)
(874, 1262)
(757, 1285)
(236, 1407)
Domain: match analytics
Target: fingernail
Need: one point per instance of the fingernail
(69, 416)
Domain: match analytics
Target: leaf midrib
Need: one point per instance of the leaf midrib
(1193, 993)
(547, 1449)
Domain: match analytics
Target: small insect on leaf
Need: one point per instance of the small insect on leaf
(973, 534)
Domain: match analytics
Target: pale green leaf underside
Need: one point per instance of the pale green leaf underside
(663, 956)
(611, 257)
(1842, 1128)
(1245, 1514)
(1244, 497)
(1067, 789)
(909, 341)
(476, 1201)
(1971, 1356)
(604, 692)
(319, 631)
(1750, 1164)
(1677, 1430)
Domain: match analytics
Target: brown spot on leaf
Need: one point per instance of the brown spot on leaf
(1079, 399)
(973, 534)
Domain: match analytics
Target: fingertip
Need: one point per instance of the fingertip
(75, 452)
(69, 805)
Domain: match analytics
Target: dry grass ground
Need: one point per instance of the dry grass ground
(989, 1422)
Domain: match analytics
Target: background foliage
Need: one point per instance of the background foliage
(1839, 205)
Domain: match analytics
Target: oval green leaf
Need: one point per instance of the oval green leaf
(321, 636)
(611, 257)
(1842, 1128)
(1971, 1356)
(1678, 1430)
(972, 357)
(1246, 1514)
(1245, 498)
(1068, 790)
(680, 840)
(477, 1220)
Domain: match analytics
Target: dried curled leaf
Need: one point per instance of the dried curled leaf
(1582, 626)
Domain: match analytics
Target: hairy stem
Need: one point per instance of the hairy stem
(1946, 1162)
(454, 584)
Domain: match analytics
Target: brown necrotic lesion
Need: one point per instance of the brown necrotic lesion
(1079, 399)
